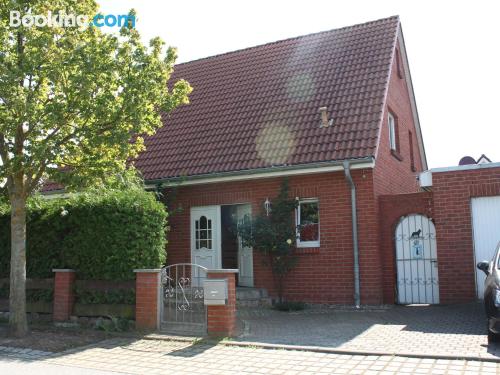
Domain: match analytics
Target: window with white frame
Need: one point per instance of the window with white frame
(391, 121)
(307, 220)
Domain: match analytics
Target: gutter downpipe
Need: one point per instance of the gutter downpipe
(357, 295)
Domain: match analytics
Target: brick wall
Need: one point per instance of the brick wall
(322, 274)
(393, 174)
(449, 205)
(453, 218)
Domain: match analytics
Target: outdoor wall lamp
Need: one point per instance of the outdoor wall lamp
(267, 206)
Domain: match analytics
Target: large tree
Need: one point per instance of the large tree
(74, 103)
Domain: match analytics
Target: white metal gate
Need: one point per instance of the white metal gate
(183, 310)
(416, 261)
(486, 225)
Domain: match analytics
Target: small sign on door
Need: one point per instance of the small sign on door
(417, 249)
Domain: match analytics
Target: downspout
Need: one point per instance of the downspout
(347, 170)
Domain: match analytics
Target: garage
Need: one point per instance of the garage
(486, 230)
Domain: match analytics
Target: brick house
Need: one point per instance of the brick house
(334, 113)
(316, 109)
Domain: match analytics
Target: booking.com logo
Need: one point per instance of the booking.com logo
(62, 19)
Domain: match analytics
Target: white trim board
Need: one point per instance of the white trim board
(252, 176)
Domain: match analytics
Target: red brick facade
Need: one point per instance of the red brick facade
(393, 170)
(323, 274)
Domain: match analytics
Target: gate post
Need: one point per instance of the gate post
(64, 295)
(147, 299)
(221, 319)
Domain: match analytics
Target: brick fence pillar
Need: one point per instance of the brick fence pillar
(147, 299)
(222, 319)
(64, 295)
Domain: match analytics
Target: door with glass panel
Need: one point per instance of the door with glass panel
(205, 237)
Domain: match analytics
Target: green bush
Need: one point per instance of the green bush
(32, 295)
(39, 295)
(116, 296)
(103, 234)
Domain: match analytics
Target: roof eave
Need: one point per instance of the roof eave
(279, 171)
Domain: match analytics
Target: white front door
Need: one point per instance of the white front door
(486, 224)
(205, 237)
(416, 261)
(245, 253)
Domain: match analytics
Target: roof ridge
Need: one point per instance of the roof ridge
(289, 39)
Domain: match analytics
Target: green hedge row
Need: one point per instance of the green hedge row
(117, 296)
(32, 295)
(104, 235)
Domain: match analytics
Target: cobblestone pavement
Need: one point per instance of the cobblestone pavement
(458, 330)
(168, 357)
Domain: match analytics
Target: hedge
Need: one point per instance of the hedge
(103, 235)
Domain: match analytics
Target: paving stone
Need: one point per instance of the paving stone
(155, 357)
(455, 330)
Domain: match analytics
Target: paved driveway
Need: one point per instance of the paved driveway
(167, 357)
(457, 330)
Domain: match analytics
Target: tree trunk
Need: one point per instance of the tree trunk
(17, 317)
(277, 278)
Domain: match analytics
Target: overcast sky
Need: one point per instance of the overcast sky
(453, 49)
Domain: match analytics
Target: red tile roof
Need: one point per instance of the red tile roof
(258, 107)
(51, 186)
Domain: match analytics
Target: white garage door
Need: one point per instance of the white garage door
(486, 226)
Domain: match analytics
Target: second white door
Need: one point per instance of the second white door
(245, 253)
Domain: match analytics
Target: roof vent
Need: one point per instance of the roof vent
(325, 122)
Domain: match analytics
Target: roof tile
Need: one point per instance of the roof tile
(258, 107)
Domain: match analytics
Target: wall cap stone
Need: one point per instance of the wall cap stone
(224, 270)
(62, 270)
(148, 270)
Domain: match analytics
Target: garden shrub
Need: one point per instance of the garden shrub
(116, 296)
(32, 295)
(103, 234)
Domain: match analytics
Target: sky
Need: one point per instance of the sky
(453, 50)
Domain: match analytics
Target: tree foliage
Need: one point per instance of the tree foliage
(75, 104)
(274, 235)
(72, 97)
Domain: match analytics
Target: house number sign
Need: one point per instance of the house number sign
(417, 249)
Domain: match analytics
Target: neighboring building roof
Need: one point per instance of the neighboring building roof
(51, 186)
(467, 160)
(258, 107)
(483, 159)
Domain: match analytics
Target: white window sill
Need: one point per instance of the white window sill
(301, 245)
